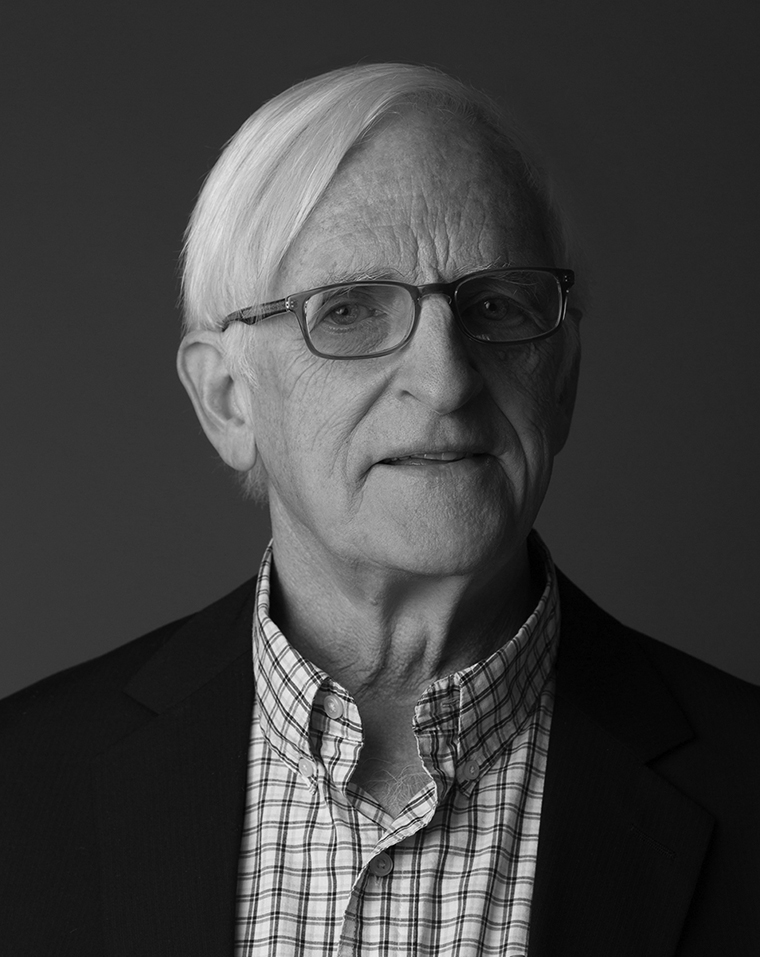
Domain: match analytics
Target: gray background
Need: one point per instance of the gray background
(116, 515)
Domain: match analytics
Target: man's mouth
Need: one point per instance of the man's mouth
(428, 458)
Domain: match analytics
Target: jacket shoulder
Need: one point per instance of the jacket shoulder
(721, 710)
(702, 684)
(684, 673)
(56, 740)
(86, 704)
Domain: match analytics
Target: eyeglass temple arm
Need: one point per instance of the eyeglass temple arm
(253, 314)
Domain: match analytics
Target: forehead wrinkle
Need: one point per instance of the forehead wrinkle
(452, 238)
(419, 209)
(434, 241)
(413, 262)
(384, 273)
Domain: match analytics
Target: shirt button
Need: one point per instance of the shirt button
(471, 771)
(381, 865)
(333, 706)
(306, 767)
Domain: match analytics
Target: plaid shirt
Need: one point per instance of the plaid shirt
(324, 870)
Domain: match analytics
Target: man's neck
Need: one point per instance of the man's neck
(390, 634)
(386, 636)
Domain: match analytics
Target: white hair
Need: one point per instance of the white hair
(275, 169)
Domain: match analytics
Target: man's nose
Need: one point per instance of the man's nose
(437, 364)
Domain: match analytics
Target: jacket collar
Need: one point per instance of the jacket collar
(204, 646)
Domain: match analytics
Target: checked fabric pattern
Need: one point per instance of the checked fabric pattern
(325, 871)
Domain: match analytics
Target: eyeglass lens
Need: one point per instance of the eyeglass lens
(365, 318)
(360, 319)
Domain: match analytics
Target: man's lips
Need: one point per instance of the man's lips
(429, 458)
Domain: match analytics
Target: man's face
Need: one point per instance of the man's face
(343, 441)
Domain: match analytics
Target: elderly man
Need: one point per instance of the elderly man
(411, 734)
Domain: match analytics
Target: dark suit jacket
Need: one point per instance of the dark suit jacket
(122, 791)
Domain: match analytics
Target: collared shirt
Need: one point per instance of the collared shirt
(324, 870)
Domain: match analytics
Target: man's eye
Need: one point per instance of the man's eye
(496, 309)
(345, 313)
(339, 312)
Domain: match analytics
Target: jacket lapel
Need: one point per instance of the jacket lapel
(170, 796)
(620, 848)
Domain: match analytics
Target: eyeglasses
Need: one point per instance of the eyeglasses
(364, 320)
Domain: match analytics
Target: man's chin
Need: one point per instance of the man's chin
(443, 539)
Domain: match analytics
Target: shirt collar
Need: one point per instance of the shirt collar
(490, 702)
(462, 721)
(285, 682)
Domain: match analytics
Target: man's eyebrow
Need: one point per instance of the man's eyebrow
(361, 275)
(352, 277)
(386, 273)
(500, 262)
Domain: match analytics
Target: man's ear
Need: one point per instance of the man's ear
(221, 398)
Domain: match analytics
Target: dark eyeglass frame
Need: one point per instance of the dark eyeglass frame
(294, 303)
